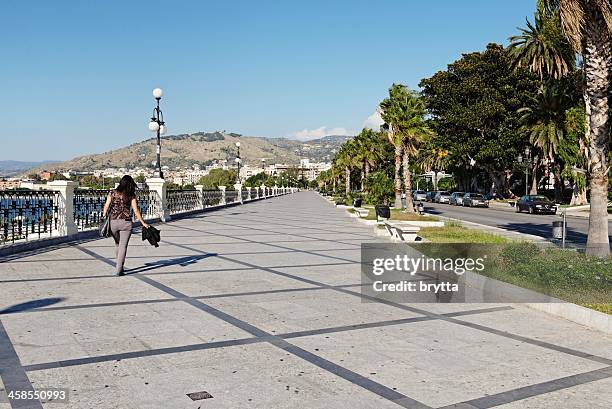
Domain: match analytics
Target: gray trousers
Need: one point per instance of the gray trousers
(122, 230)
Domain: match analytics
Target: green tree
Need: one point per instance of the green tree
(404, 115)
(347, 159)
(544, 120)
(140, 179)
(256, 180)
(378, 188)
(473, 108)
(218, 177)
(542, 47)
(587, 24)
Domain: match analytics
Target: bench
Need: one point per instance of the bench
(361, 212)
(402, 231)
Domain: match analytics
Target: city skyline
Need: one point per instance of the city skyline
(81, 74)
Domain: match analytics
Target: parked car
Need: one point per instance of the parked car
(456, 198)
(535, 204)
(474, 200)
(442, 197)
(419, 195)
(430, 196)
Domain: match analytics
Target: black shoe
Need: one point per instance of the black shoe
(121, 273)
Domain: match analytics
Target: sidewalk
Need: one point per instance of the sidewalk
(259, 306)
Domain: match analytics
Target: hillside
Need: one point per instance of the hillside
(203, 148)
(13, 167)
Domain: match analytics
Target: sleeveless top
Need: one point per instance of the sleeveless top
(120, 209)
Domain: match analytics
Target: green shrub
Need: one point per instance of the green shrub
(378, 188)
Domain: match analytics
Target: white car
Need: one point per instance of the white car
(420, 195)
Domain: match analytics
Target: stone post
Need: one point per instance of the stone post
(223, 202)
(159, 185)
(238, 187)
(200, 189)
(256, 192)
(249, 193)
(66, 205)
(263, 191)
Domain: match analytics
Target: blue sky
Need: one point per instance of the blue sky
(77, 75)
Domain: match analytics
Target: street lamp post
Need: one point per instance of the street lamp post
(238, 160)
(158, 125)
(527, 164)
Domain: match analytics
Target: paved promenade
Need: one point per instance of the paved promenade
(258, 306)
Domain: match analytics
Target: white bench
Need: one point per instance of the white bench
(402, 231)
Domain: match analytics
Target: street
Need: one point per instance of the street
(535, 224)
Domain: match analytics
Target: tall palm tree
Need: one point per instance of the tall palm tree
(346, 159)
(587, 26)
(369, 151)
(542, 47)
(404, 115)
(545, 122)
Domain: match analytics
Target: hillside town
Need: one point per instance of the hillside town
(180, 176)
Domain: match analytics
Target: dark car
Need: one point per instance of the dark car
(535, 204)
(456, 198)
(475, 200)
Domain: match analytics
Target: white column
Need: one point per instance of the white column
(66, 205)
(200, 189)
(249, 193)
(160, 185)
(238, 187)
(256, 192)
(263, 191)
(223, 200)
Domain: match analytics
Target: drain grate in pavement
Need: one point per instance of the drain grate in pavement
(199, 395)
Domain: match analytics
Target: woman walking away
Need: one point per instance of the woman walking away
(120, 200)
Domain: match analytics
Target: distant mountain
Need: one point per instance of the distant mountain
(203, 148)
(14, 167)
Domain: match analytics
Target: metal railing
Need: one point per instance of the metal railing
(231, 196)
(88, 206)
(27, 215)
(180, 201)
(32, 215)
(211, 198)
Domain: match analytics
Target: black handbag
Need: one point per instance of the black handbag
(105, 228)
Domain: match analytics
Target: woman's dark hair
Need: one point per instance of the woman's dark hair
(127, 187)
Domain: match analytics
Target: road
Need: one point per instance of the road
(535, 224)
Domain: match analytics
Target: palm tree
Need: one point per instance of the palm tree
(369, 151)
(587, 26)
(346, 159)
(404, 115)
(433, 159)
(542, 47)
(545, 122)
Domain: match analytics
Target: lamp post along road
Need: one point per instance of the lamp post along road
(158, 125)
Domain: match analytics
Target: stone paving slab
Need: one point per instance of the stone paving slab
(259, 306)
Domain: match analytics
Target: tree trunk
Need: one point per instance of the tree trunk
(398, 176)
(408, 184)
(347, 175)
(598, 64)
(578, 196)
(435, 179)
(367, 169)
(363, 176)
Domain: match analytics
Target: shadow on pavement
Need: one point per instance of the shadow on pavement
(31, 305)
(180, 261)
